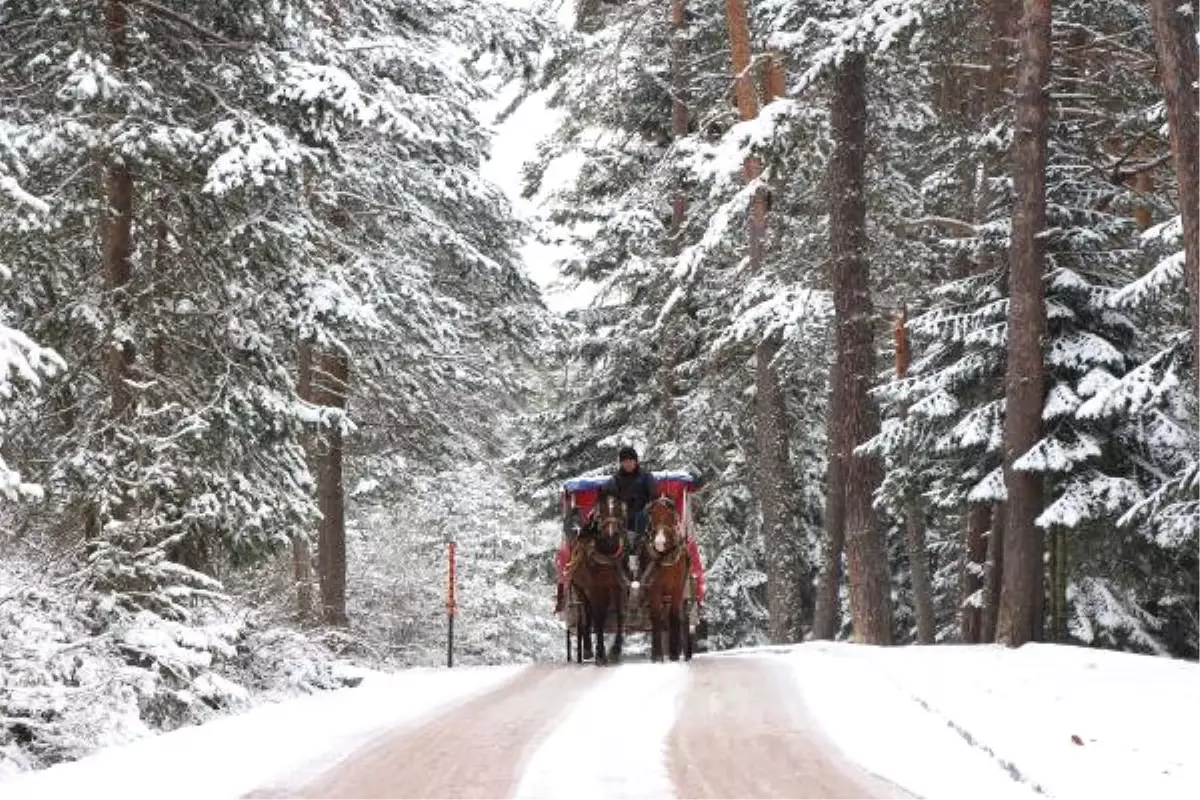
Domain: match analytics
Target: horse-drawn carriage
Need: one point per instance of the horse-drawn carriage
(668, 607)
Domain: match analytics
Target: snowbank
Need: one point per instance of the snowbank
(280, 744)
(959, 721)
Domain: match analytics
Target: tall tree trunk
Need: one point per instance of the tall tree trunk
(739, 47)
(1175, 41)
(788, 596)
(118, 230)
(302, 576)
(914, 516)
(866, 560)
(1058, 586)
(588, 16)
(979, 518)
(775, 491)
(672, 344)
(331, 553)
(993, 575)
(1022, 587)
(679, 109)
(827, 614)
(984, 533)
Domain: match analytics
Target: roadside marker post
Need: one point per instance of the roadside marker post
(451, 602)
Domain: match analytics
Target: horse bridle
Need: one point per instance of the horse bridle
(667, 557)
(611, 523)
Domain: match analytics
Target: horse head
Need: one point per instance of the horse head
(610, 523)
(664, 526)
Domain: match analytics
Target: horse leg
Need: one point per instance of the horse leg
(599, 623)
(656, 628)
(619, 643)
(577, 607)
(674, 623)
(585, 631)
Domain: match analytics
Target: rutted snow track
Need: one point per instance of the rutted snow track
(743, 732)
(718, 727)
(476, 749)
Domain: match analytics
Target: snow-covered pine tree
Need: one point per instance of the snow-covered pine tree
(261, 179)
(952, 431)
(678, 303)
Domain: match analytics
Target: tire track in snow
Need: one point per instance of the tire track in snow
(744, 732)
(476, 749)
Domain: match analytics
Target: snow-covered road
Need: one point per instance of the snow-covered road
(819, 719)
(717, 728)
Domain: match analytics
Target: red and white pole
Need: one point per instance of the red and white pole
(451, 605)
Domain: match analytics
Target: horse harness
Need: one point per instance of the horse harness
(666, 558)
(611, 525)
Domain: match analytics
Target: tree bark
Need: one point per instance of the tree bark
(985, 524)
(914, 518)
(1058, 586)
(739, 47)
(979, 519)
(672, 346)
(747, 103)
(993, 575)
(788, 597)
(786, 579)
(679, 108)
(331, 554)
(827, 615)
(588, 16)
(1022, 586)
(302, 575)
(1175, 42)
(118, 232)
(866, 561)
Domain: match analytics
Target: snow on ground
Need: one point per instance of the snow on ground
(957, 721)
(294, 739)
(942, 722)
(631, 712)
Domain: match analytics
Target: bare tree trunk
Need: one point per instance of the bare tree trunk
(588, 17)
(739, 46)
(993, 575)
(786, 580)
(672, 346)
(679, 108)
(788, 597)
(914, 517)
(302, 575)
(331, 553)
(979, 518)
(984, 534)
(1022, 588)
(828, 611)
(866, 560)
(1175, 41)
(118, 229)
(1058, 586)
(918, 559)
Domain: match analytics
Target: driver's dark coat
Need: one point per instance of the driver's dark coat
(636, 488)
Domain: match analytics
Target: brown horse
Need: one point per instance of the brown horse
(666, 574)
(597, 575)
(572, 529)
